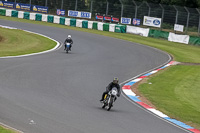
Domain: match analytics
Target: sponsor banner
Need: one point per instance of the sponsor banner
(99, 17)
(21, 6)
(41, 9)
(178, 38)
(79, 14)
(60, 12)
(115, 20)
(7, 4)
(151, 21)
(125, 20)
(178, 27)
(107, 18)
(136, 21)
(137, 30)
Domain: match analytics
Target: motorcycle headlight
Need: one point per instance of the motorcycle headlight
(114, 92)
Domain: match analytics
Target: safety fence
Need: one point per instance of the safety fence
(170, 14)
(101, 26)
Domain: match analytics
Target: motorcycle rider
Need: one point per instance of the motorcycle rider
(113, 84)
(68, 40)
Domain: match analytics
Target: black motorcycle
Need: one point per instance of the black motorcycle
(109, 99)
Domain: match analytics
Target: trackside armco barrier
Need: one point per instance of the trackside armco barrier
(129, 93)
(100, 26)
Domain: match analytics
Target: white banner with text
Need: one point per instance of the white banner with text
(151, 21)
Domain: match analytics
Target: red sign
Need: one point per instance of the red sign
(107, 18)
(115, 19)
(99, 17)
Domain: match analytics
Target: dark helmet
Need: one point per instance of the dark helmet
(115, 80)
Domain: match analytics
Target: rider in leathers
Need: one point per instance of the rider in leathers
(68, 40)
(109, 88)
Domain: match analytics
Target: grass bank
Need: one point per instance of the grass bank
(180, 52)
(4, 130)
(175, 92)
(18, 42)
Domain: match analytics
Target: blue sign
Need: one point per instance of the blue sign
(20, 6)
(126, 20)
(7, 4)
(73, 13)
(85, 15)
(156, 22)
(60, 12)
(136, 21)
(41, 9)
(79, 14)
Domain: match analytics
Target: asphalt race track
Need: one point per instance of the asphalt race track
(57, 92)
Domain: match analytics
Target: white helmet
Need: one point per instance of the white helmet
(69, 36)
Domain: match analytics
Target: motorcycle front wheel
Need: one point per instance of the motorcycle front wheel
(67, 50)
(110, 104)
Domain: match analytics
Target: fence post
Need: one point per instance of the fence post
(61, 4)
(149, 13)
(122, 8)
(107, 6)
(199, 21)
(163, 13)
(46, 3)
(91, 6)
(188, 18)
(76, 5)
(176, 14)
(136, 8)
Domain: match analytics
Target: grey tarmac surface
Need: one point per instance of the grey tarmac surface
(59, 93)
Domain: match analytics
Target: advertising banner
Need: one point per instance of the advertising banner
(41, 9)
(125, 20)
(178, 27)
(79, 14)
(20, 6)
(178, 38)
(136, 21)
(99, 17)
(115, 20)
(7, 4)
(106, 18)
(151, 21)
(60, 12)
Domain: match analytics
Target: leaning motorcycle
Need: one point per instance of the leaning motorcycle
(68, 45)
(109, 99)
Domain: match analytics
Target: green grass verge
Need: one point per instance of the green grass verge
(180, 52)
(18, 42)
(3, 130)
(175, 92)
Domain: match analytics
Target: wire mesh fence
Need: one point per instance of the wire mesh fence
(170, 14)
